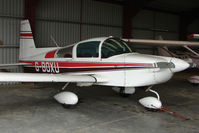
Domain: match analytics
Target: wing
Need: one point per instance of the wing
(44, 77)
(162, 42)
(5, 66)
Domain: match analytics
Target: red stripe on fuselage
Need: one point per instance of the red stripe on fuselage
(25, 34)
(87, 64)
(65, 67)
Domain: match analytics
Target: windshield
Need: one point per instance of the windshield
(114, 46)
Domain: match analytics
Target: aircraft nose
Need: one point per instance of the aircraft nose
(179, 64)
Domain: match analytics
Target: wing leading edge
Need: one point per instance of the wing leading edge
(44, 77)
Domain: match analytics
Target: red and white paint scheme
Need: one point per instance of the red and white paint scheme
(106, 61)
(195, 36)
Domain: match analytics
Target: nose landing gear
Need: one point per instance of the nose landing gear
(151, 102)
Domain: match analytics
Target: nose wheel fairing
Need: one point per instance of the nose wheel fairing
(151, 102)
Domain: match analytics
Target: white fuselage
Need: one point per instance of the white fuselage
(107, 57)
(125, 70)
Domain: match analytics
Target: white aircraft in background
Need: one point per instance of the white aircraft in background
(194, 36)
(163, 50)
(106, 61)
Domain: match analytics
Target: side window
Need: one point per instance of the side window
(88, 49)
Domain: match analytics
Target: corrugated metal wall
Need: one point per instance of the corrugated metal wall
(101, 13)
(89, 31)
(168, 24)
(9, 31)
(143, 23)
(59, 19)
(69, 21)
(12, 8)
(63, 33)
(101, 19)
(61, 10)
(150, 24)
(11, 13)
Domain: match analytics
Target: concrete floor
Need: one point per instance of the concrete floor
(30, 109)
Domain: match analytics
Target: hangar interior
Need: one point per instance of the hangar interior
(70, 21)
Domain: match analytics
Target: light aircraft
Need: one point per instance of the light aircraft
(106, 61)
(194, 36)
(163, 50)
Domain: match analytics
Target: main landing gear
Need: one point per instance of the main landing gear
(66, 98)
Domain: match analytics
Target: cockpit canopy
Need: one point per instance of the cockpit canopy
(114, 46)
(96, 49)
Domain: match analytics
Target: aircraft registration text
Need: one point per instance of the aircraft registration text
(49, 67)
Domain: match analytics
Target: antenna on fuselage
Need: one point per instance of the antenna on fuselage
(52, 38)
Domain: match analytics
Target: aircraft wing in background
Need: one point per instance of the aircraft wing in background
(162, 42)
